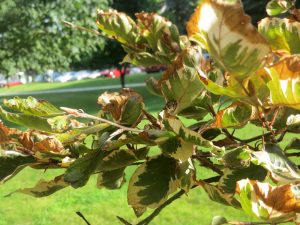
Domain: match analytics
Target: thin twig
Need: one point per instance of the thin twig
(122, 220)
(77, 27)
(82, 217)
(81, 114)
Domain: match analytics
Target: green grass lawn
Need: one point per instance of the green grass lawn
(99, 206)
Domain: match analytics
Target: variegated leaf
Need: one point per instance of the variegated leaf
(282, 170)
(191, 136)
(282, 34)
(273, 204)
(283, 81)
(226, 32)
(45, 188)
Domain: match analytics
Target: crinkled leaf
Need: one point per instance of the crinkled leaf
(152, 182)
(236, 115)
(32, 106)
(126, 107)
(282, 170)
(276, 7)
(45, 188)
(112, 179)
(282, 34)
(6, 133)
(50, 144)
(118, 25)
(160, 33)
(12, 162)
(276, 204)
(80, 171)
(231, 176)
(226, 32)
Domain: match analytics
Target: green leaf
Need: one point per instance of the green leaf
(112, 179)
(282, 34)
(181, 83)
(276, 7)
(12, 162)
(199, 107)
(118, 25)
(152, 182)
(121, 158)
(236, 115)
(177, 148)
(81, 133)
(231, 176)
(145, 59)
(44, 188)
(153, 86)
(227, 33)
(283, 170)
(217, 195)
(29, 121)
(32, 106)
(294, 144)
(80, 171)
(187, 175)
(237, 158)
(160, 33)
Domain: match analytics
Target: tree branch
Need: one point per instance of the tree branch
(82, 217)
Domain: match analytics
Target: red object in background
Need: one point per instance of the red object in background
(12, 84)
(114, 73)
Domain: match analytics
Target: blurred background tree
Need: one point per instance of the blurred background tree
(33, 38)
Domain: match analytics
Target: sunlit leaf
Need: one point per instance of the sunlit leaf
(276, 7)
(32, 106)
(226, 32)
(283, 82)
(282, 34)
(274, 204)
(117, 25)
(236, 115)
